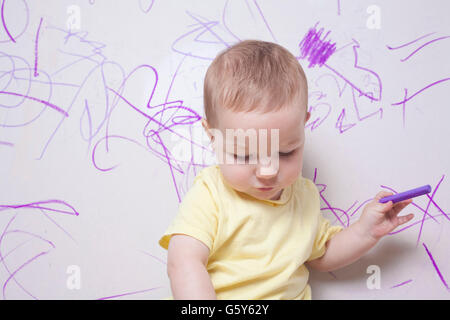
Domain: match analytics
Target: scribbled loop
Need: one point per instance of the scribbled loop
(314, 49)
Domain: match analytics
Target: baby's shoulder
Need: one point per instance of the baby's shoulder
(305, 183)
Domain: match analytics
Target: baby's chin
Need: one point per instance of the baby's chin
(263, 195)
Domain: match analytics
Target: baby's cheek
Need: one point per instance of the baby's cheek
(236, 175)
(295, 166)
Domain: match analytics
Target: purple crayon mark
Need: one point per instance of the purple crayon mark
(264, 19)
(409, 43)
(406, 98)
(419, 48)
(18, 19)
(7, 143)
(428, 205)
(36, 49)
(358, 93)
(129, 293)
(339, 123)
(41, 205)
(38, 100)
(368, 95)
(329, 207)
(4, 23)
(420, 91)
(149, 6)
(422, 46)
(435, 266)
(314, 49)
(401, 284)
(407, 194)
(154, 257)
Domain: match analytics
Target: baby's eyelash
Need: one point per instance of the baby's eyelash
(282, 154)
(236, 156)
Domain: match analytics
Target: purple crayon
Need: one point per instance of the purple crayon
(407, 194)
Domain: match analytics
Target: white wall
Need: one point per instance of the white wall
(90, 177)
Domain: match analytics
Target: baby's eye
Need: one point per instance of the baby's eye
(240, 157)
(245, 159)
(286, 154)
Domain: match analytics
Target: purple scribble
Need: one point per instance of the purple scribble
(154, 257)
(9, 144)
(428, 206)
(51, 105)
(4, 23)
(420, 47)
(193, 43)
(436, 267)
(368, 95)
(340, 125)
(424, 45)
(420, 91)
(329, 207)
(224, 19)
(264, 19)
(402, 284)
(95, 127)
(315, 49)
(36, 49)
(129, 293)
(18, 19)
(43, 205)
(148, 8)
(193, 37)
(315, 123)
(47, 205)
(410, 42)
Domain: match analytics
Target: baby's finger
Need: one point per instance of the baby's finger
(399, 206)
(382, 194)
(405, 219)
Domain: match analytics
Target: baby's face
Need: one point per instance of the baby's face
(250, 178)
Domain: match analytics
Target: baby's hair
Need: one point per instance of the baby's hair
(254, 75)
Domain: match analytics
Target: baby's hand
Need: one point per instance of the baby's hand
(378, 219)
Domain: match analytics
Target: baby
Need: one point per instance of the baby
(247, 227)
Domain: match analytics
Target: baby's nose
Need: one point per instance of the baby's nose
(267, 167)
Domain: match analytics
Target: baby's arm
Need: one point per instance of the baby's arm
(186, 267)
(344, 248)
(377, 220)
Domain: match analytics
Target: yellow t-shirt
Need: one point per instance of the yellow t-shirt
(257, 247)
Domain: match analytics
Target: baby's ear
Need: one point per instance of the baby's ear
(206, 127)
(308, 115)
(204, 124)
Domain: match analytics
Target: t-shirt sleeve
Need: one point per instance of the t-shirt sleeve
(325, 231)
(196, 217)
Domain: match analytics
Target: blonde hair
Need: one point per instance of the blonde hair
(253, 75)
